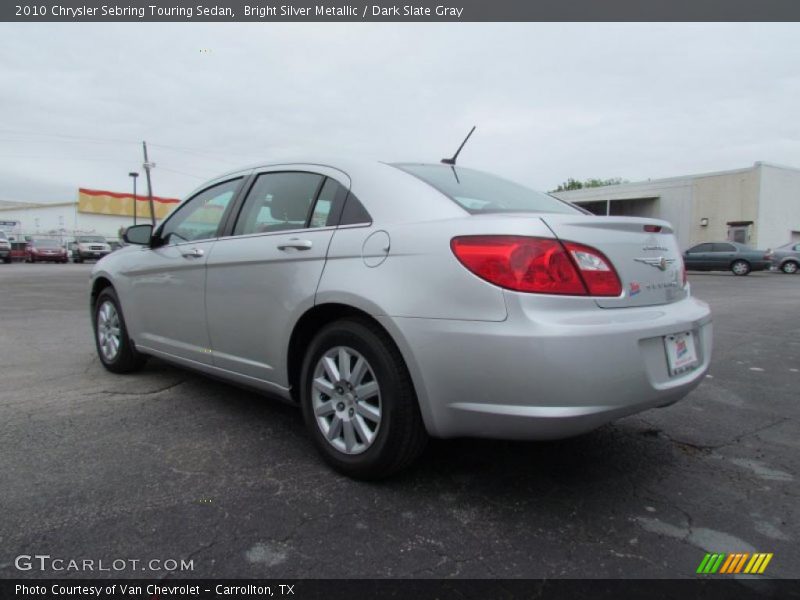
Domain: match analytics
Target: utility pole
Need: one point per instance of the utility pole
(147, 166)
(134, 175)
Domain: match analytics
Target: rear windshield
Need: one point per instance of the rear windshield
(46, 243)
(478, 192)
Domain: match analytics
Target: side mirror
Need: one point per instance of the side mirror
(138, 234)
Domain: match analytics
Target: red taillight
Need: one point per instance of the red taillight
(598, 273)
(538, 265)
(652, 228)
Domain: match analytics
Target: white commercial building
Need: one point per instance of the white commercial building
(95, 212)
(758, 205)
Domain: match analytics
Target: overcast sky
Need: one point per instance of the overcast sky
(551, 101)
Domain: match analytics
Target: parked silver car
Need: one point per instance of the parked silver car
(787, 258)
(394, 302)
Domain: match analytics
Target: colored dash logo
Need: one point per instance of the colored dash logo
(743, 562)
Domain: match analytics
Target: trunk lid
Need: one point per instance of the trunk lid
(649, 263)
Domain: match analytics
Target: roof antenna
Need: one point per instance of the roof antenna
(452, 161)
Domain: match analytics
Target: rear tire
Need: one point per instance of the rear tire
(358, 401)
(114, 348)
(740, 267)
(790, 267)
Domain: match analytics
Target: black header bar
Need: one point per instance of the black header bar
(388, 11)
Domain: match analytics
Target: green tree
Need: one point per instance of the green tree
(575, 184)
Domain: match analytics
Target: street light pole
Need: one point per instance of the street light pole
(134, 176)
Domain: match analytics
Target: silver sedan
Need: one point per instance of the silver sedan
(393, 302)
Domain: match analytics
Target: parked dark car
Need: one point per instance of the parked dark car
(45, 250)
(726, 256)
(787, 257)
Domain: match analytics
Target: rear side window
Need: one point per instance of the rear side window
(478, 192)
(279, 202)
(700, 248)
(354, 212)
(724, 248)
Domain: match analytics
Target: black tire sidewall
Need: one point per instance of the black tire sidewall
(360, 338)
(127, 358)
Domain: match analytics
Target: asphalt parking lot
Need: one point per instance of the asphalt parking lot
(167, 464)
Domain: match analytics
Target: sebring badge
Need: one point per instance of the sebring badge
(659, 262)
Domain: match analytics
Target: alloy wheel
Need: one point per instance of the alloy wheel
(740, 268)
(346, 400)
(108, 330)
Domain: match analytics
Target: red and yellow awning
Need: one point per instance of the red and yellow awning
(101, 202)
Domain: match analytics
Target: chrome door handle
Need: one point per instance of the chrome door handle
(296, 244)
(193, 253)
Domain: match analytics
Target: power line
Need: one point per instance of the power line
(66, 138)
(163, 168)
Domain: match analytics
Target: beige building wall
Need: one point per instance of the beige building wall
(768, 195)
(722, 198)
(779, 207)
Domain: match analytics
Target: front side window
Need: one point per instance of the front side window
(724, 248)
(478, 192)
(280, 202)
(200, 217)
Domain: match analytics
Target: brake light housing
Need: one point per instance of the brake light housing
(538, 265)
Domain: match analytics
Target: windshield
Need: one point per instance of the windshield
(91, 239)
(46, 243)
(478, 192)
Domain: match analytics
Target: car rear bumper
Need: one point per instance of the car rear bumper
(548, 374)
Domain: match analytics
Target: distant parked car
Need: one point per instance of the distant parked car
(45, 250)
(5, 248)
(90, 246)
(787, 257)
(726, 256)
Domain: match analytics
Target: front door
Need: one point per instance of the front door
(168, 283)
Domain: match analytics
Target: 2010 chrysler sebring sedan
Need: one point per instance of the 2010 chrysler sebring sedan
(394, 302)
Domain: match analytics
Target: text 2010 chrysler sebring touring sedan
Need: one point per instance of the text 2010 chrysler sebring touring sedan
(394, 302)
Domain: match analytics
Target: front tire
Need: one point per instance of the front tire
(359, 402)
(740, 267)
(114, 348)
(790, 267)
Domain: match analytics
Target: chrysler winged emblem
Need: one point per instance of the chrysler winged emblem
(659, 262)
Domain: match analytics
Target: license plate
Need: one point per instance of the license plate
(681, 352)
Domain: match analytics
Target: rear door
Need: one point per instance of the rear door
(722, 255)
(644, 253)
(263, 275)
